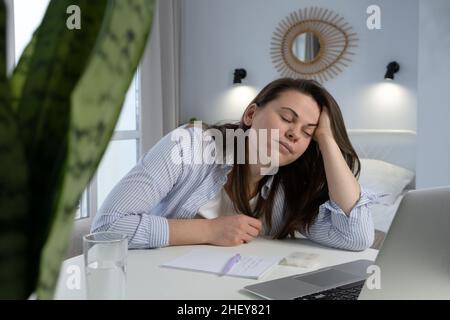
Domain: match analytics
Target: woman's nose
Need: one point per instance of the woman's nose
(292, 136)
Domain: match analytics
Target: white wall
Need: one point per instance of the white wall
(221, 35)
(433, 127)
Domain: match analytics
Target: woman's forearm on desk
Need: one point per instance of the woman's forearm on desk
(185, 232)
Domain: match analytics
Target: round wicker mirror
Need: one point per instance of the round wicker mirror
(306, 47)
(312, 43)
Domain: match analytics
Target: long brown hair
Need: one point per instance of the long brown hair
(304, 180)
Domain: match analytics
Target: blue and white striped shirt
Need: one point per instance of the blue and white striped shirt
(158, 189)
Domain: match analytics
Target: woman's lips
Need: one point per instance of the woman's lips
(284, 147)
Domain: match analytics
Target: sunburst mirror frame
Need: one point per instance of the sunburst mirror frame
(335, 36)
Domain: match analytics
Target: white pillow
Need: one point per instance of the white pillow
(384, 177)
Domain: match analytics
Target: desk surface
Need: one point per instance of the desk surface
(147, 280)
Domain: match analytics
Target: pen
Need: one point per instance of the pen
(230, 264)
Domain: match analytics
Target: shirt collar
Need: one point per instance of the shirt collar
(266, 187)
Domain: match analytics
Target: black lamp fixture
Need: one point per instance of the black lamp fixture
(239, 74)
(392, 68)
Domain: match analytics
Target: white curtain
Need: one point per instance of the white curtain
(160, 74)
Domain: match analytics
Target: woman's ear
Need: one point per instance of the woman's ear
(249, 114)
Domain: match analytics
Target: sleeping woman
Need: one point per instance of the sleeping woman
(171, 199)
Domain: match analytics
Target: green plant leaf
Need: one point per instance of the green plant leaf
(42, 86)
(14, 222)
(2, 41)
(96, 104)
(20, 73)
(14, 226)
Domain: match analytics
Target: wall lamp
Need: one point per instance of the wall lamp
(239, 74)
(392, 68)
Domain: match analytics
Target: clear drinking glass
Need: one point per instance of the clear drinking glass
(105, 256)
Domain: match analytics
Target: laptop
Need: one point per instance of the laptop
(414, 261)
(343, 281)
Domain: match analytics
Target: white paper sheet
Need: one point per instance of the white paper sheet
(212, 261)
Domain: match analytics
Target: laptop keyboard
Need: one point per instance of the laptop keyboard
(348, 292)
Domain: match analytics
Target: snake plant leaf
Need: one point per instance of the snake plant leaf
(2, 41)
(14, 228)
(42, 86)
(96, 105)
(14, 223)
(20, 73)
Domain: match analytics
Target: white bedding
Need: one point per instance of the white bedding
(387, 166)
(383, 214)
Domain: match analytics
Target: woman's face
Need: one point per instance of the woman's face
(295, 115)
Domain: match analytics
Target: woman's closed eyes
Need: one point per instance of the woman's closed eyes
(290, 121)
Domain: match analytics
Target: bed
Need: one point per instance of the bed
(387, 168)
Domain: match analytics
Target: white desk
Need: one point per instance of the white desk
(147, 280)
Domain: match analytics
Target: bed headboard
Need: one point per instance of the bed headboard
(394, 146)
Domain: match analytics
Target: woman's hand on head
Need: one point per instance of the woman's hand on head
(233, 230)
(323, 130)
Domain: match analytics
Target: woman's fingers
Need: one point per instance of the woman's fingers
(235, 230)
(252, 231)
(255, 223)
(247, 238)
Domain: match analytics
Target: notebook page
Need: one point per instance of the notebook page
(253, 266)
(212, 261)
(201, 260)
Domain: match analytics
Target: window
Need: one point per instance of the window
(124, 148)
(27, 16)
(121, 155)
